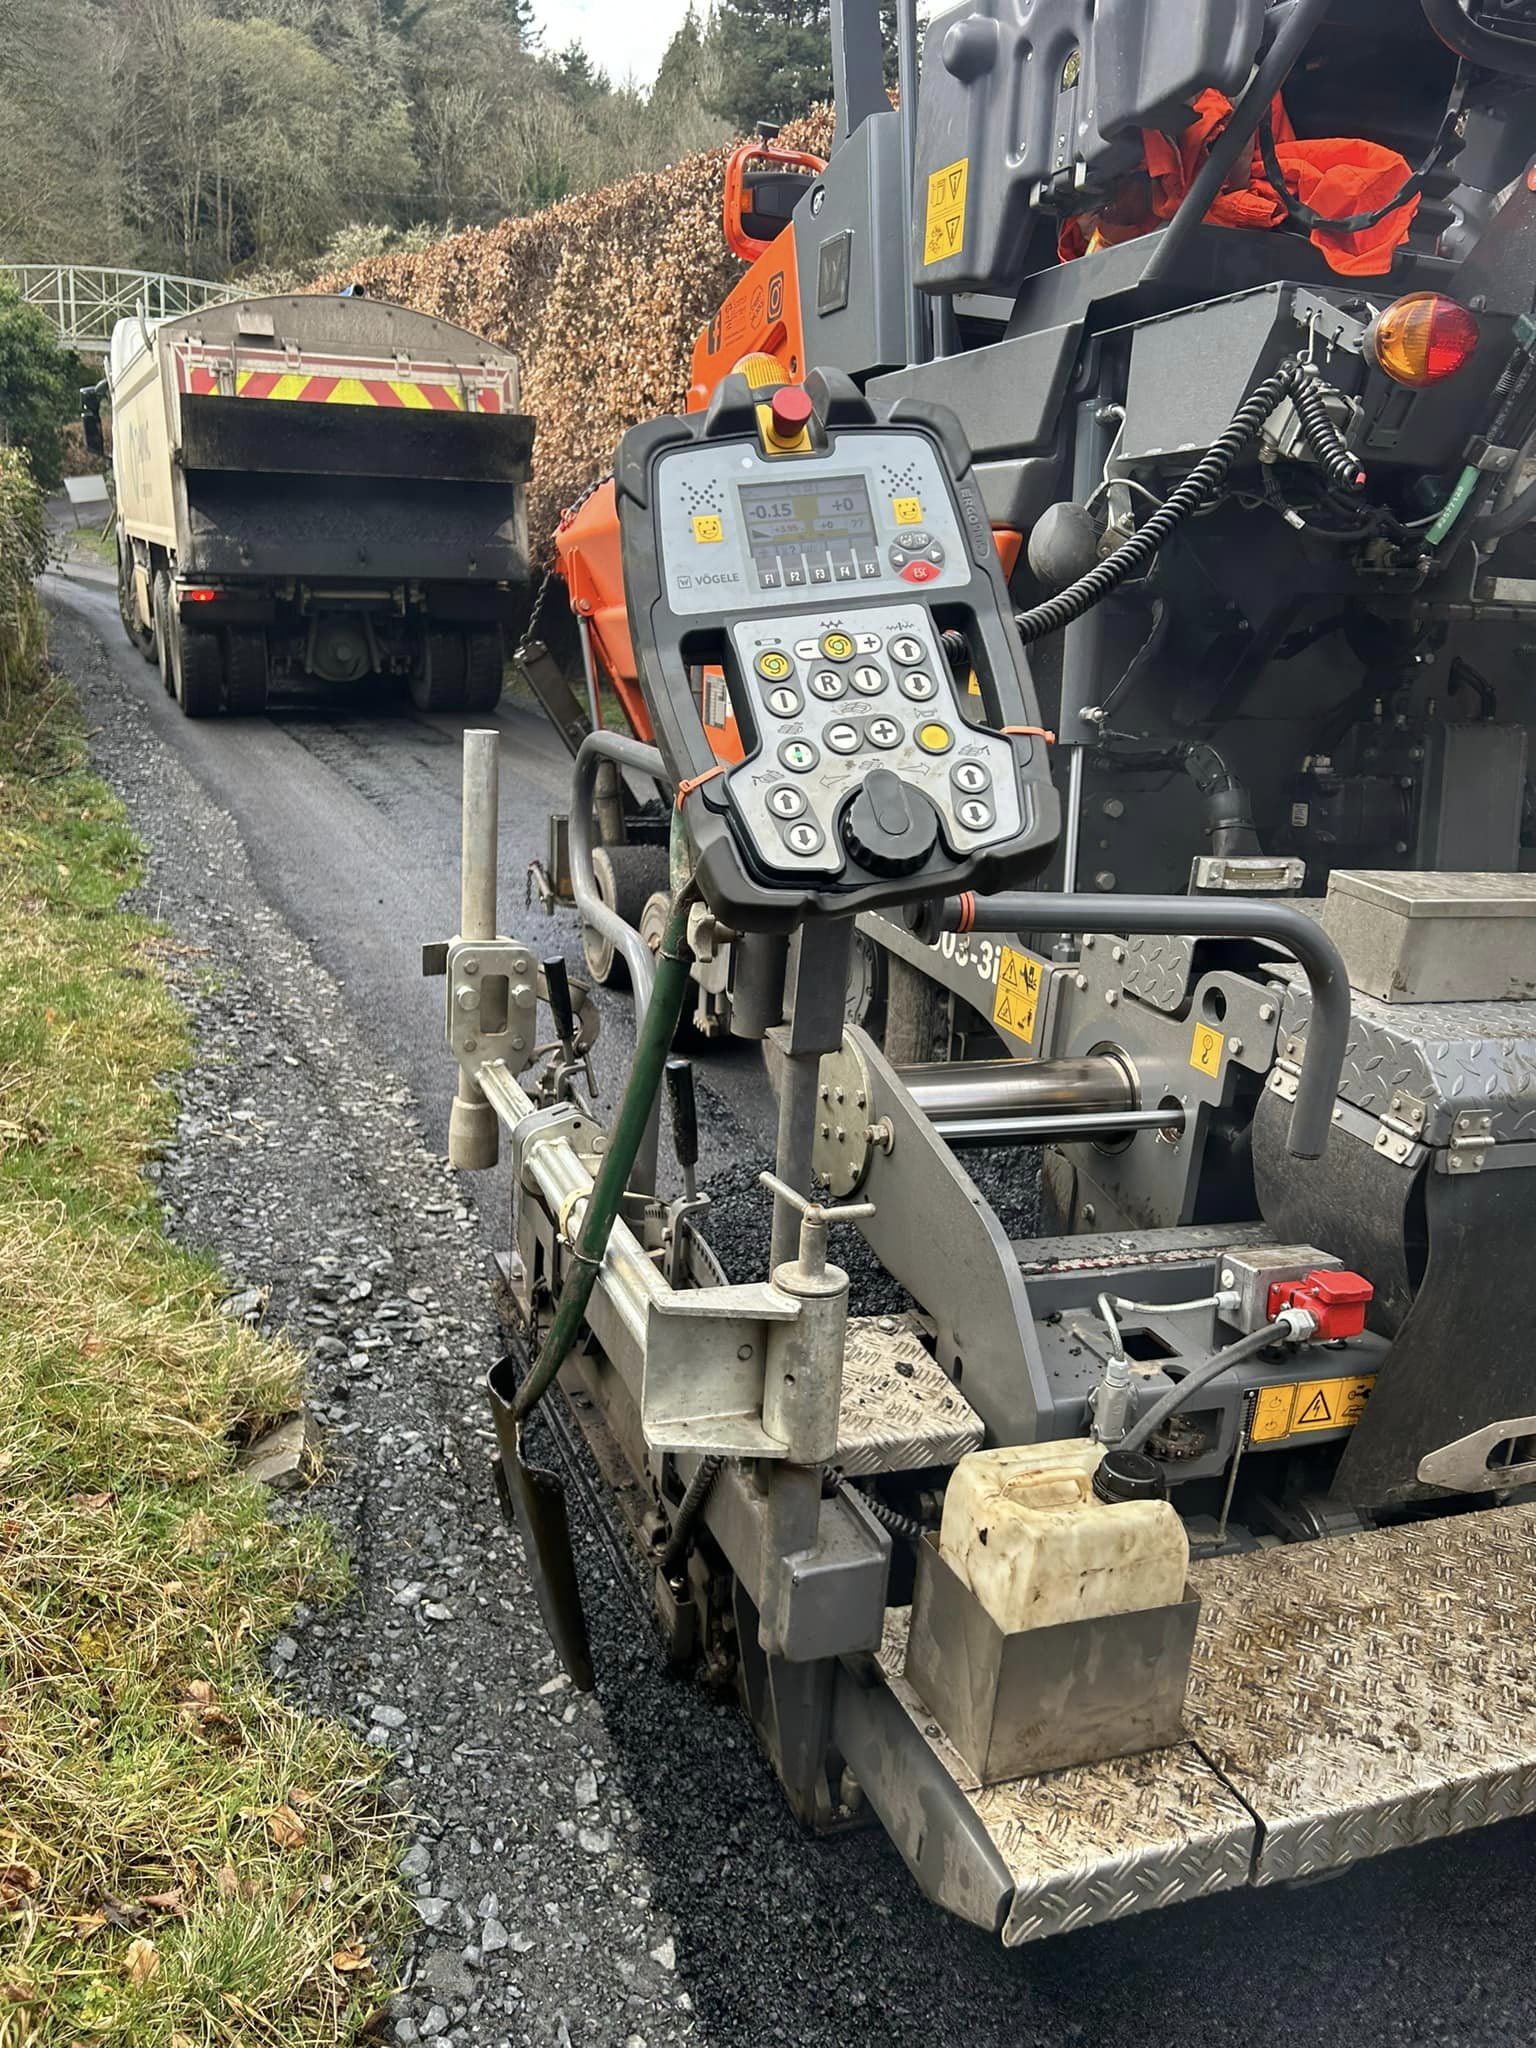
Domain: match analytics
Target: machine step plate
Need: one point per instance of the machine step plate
(1348, 1697)
(900, 1411)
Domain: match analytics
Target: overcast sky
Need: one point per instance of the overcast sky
(620, 36)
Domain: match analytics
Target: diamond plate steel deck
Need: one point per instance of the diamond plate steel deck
(1100, 1842)
(1348, 1697)
(1452, 1057)
(900, 1411)
(1372, 1691)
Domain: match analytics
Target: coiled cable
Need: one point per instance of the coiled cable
(1342, 468)
(906, 1526)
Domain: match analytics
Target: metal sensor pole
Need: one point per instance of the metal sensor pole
(473, 1132)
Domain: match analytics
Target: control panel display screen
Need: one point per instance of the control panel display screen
(821, 532)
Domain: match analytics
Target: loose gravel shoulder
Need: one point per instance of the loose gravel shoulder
(619, 1872)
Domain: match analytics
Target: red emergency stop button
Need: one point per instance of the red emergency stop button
(1337, 1302)
(790, 410)
(919, 572)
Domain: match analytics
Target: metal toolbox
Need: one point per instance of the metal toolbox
(1435, 938)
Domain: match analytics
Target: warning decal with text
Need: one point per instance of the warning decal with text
(1311, 1405)
(944, 225)
(1018, 993)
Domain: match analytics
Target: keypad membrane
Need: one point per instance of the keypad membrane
(867, 690)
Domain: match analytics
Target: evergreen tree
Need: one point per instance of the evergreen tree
(520, 18)
(775, 59)
(580, 78)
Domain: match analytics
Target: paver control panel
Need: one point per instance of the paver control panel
(835, 562)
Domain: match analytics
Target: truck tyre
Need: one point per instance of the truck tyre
(245, 673)
(198, 664)
(627, 876)
(139, 636)
(484, 666)
(438, 683)
(162, 623)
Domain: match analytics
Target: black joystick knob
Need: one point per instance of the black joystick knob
(890, 828)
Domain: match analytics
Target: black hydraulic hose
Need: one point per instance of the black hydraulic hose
(689, 1508)
(701, 1485)
(1219, 1362)
(1304, 389)
(1247, 917)
(1274, 68)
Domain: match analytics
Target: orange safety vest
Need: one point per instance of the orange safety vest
(1336, 177)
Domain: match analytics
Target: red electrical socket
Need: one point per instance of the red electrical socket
(1336, 1301)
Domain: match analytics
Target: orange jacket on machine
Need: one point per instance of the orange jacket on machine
(1336, 177)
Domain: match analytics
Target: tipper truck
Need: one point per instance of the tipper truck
(317, 489)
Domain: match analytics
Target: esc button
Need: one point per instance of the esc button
(919, 572)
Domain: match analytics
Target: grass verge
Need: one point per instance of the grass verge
(184, 1860)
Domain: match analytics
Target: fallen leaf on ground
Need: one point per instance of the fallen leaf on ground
(285, 1827)
(122, 1912)
(17, 1880)
(346, 1959)
(166, 1902)
(141, 1960)
(86, 1924)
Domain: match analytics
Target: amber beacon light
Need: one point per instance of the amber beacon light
(1423, 339)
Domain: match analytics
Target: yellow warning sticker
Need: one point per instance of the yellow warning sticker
(1311, 1405)
(1018, 992)
(708, 526)
(1205, 1051)
(944, 225)
(907, 511)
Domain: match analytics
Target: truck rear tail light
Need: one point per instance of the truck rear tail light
(199, 593)
(1422, 339)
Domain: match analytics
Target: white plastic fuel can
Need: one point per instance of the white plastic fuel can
(1023, 1529)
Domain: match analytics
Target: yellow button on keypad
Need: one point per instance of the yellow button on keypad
(836, 646)
(773, 666)
(708, 526)
(935, 739)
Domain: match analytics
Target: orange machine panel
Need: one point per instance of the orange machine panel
(761, 316)
(587, 544)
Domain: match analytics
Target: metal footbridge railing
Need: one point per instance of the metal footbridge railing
(85, 302)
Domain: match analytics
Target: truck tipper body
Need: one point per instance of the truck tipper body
(318, 489)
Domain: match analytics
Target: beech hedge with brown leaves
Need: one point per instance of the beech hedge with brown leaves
(601, 297)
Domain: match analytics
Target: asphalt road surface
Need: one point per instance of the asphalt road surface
(349, 822)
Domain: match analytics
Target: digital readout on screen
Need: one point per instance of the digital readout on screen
(793, 532)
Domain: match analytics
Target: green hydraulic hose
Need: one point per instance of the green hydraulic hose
(662, 1016)
(1454, 506)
